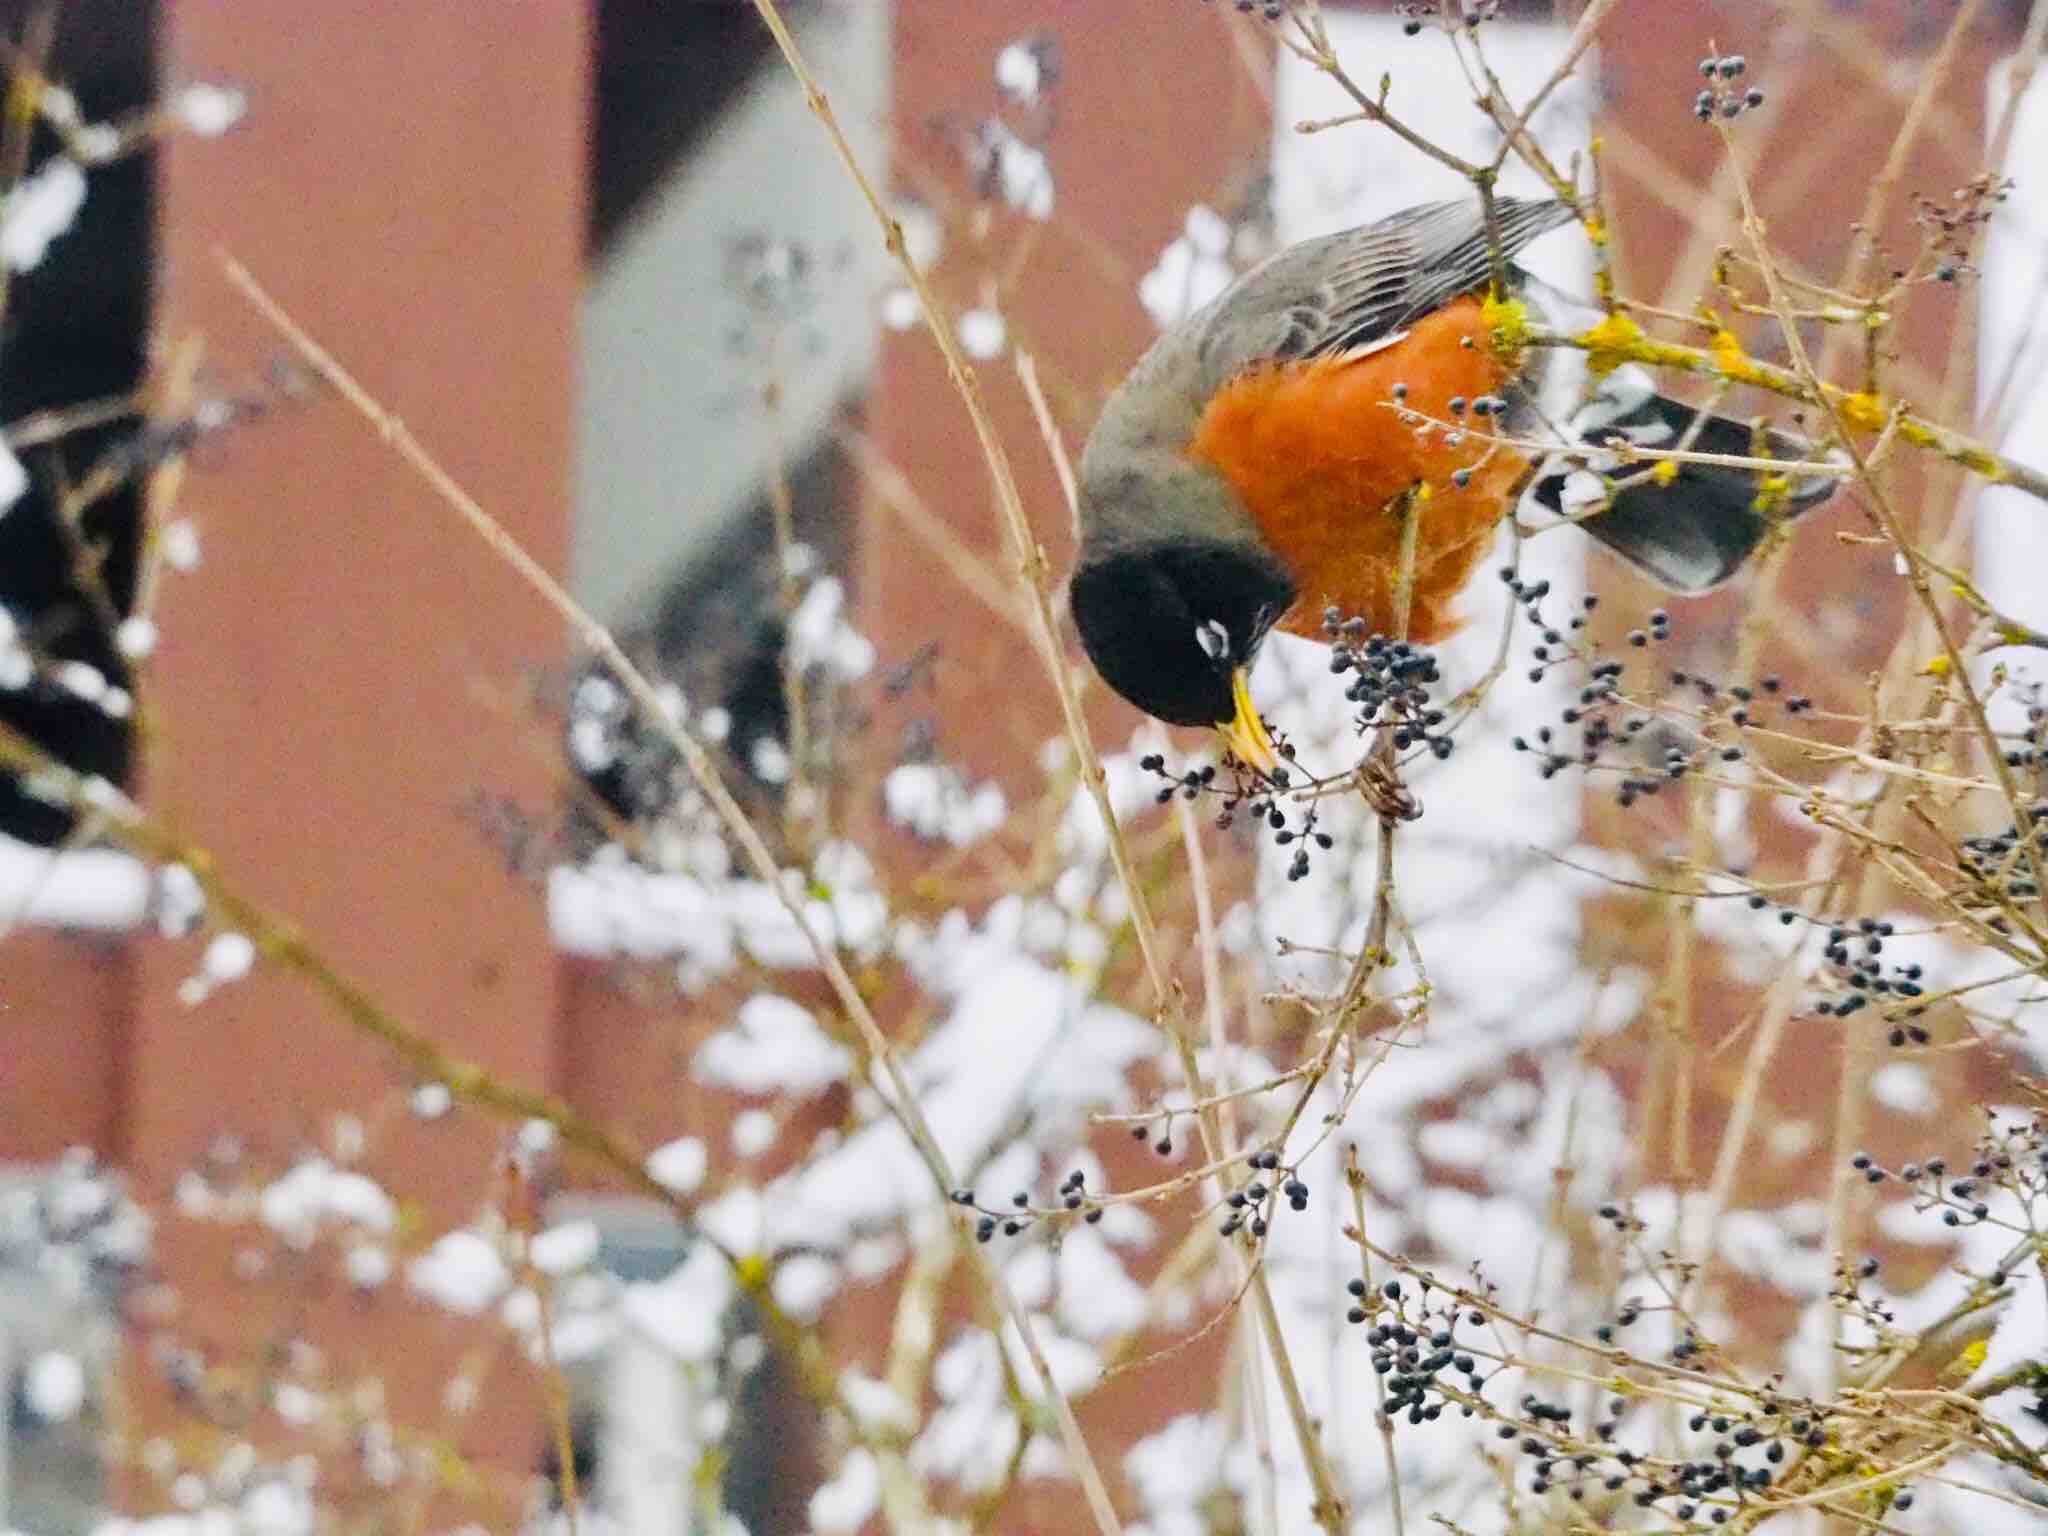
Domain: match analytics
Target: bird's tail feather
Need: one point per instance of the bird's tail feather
(1689, 526)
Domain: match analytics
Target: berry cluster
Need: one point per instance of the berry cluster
(1865, 976)
(1416, 14)
(2033, 749)
(1722, 97)
(1606, 727)
(1739, 1451)
(1997, 865)
(1413, 1353)
(1254, 1206)
(1397, 1354)
(1953, 229)
(1072, 1199)
(2012, 1156)
(1611, 728)
(1485, 407)
(2009, 1169)
(1391, 687)
(1593, 713)
(1250, 792)
(1391, 682)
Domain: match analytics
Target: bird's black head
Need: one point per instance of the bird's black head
(1169, 626)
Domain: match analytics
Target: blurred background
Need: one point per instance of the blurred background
(600, 261)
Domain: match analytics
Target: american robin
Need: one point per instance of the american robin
(1258, 465)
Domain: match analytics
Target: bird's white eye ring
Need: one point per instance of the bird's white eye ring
(1214, 640)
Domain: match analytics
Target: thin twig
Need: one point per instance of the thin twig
(1223, 1098)
(1048, 429)
(1514, 133)
(966, 564)
(803, 804)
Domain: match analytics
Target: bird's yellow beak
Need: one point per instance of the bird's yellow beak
(1245, 733)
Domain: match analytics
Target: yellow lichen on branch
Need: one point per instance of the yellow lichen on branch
(1614, 341)
(1617, 339)
(1508, 322)
(1864, 411)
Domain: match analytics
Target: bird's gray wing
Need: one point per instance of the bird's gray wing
(1344, 292)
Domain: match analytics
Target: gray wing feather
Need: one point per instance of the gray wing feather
(1346, 291)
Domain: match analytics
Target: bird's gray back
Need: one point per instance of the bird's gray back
(1320, 298)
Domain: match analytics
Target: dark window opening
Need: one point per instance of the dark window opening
(75, 330)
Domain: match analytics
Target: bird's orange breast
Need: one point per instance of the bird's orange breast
(1322, 459)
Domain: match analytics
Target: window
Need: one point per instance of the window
(2011, 537)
